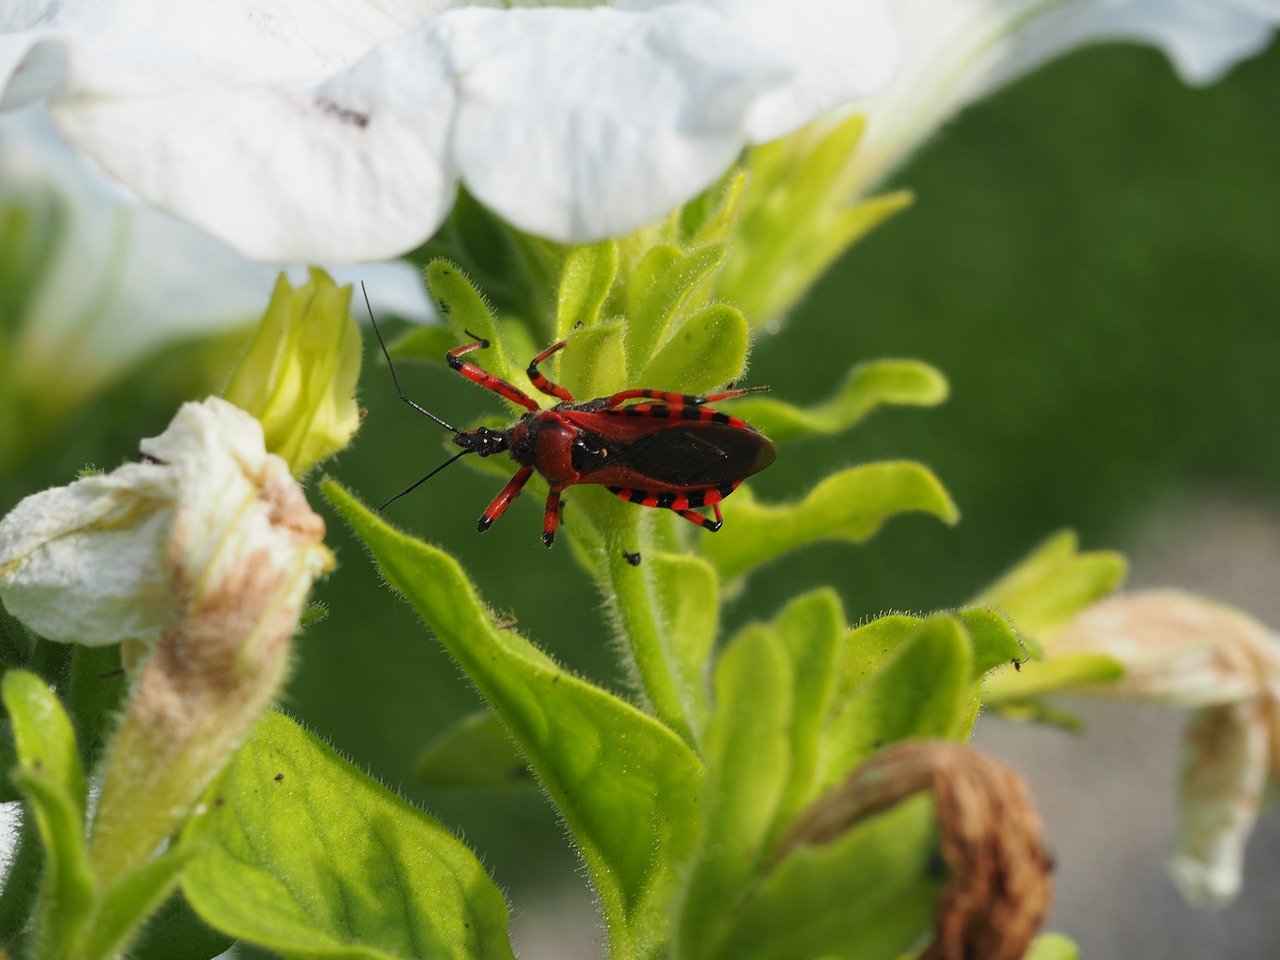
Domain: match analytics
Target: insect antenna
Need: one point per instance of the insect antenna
(396, 380)
(417, 483)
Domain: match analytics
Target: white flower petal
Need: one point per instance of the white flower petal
(339, 132)
(125, 279)
(959, 51)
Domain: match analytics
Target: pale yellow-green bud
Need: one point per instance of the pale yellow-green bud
(298, 376)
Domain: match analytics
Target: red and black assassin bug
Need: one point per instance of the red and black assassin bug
(670, 451)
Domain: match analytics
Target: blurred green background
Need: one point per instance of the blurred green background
(1092, 260)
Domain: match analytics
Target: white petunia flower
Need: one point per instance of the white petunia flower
(341, 131)
(958, 51)
(1184, 651)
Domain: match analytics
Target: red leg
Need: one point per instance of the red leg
(681, 504)
(503, 499)
(484, 378)
(680, 399)
(540, 381)
(551, 519)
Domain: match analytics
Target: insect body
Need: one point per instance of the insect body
(671, 450)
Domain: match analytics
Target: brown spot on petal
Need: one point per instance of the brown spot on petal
(999, 889)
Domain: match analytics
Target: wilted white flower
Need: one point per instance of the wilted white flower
(1184, 651)
(128, 555)
(340, 131)
(956, 52)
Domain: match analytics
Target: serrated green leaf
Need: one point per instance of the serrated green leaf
(474, 752)
(588, 276)
(708, 351)
(922, 690)
(462, 307)
(650, 314)
(850, 505)
(746, 752)
(868, 386)
(626, 785)
(868, 895)
(1052, 584)
(1052, 946)
(594, 364)
(128, 904)
(810, 628)
(307, 856)
(1057, 673)
(689, 595)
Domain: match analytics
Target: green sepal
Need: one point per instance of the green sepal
(476, 751)
(746, 752)
(868, 386)
(128, 904)
(706, 352)
(661, 285)
(585, 283)
(303, 854)
(711, 216)
(850, 505)
(626, 785)
(1052, 946)
(994, 642)
(868, 895)
(922, 689)
(1052, 584)
(51, 780)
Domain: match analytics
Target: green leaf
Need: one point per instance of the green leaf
(1058, 673)
(1037, 711)
(851, 505)
(994, 642)
(428, 343)
(594, 364)
(708, 351)
(626, 785)
(869, 385)
(51, 780)
(921, 690)
(710, 217)
(669, 283)
(1054, 583)
(464, 309)
(868, 895)
(475, 752)
(746, 752)
(688, 593)
(811, 629)
(307, 856)
(1052, 946)
(589, 272)
(130, 902)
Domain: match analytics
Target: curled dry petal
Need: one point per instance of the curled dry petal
(999, 889)
(1182, 650)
